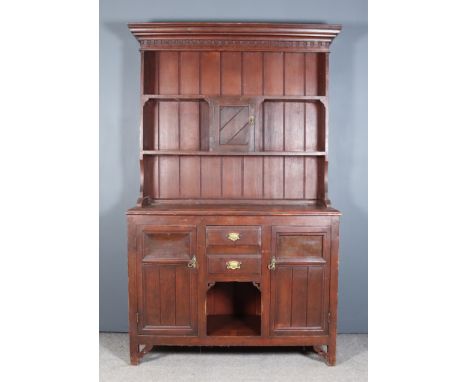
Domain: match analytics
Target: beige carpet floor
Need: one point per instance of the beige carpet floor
(232, 364)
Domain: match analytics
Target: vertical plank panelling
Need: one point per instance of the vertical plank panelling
(294, 73)
(168, 294)
(150, 74)
(232, 177)
(189, 111)
(283, 280)
(189, 125)
(294, 178)
(258, 131)
(155, 178)
(314, 296)
(204, 122)
(231, 73)
(148, 163)
(311, 178)
(189, 177)
(210, 301)
(273, 126)
(152, 298)
(321, 126)
(189, 72)
(150, 125)
(273, 73)
(211, 177)
(168, 177)
(252, 80)
(225, 299)
(168, 72)
(299, 297)
(155, 125)
(210, 73)
(311, 74)
(193, 295)
(182, 294)
(289, 126)
(311, 126)
(294, 126)
(322, 170)
(168, 125)
(322, 69)
(273, 178)
(253, 178)
(294, 133)
(150, 187)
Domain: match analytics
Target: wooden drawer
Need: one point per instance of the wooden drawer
(246, 264)
(233, 235)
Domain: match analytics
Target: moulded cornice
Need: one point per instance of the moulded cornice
(234, 36)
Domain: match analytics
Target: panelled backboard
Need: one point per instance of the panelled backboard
(233, 120)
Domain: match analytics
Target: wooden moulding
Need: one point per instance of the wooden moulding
(235, 36)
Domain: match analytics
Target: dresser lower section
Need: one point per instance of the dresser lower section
(243, 280)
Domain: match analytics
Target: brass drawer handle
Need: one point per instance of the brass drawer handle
(192, 263)
(233, 264)
(233, 236)
(272, 265)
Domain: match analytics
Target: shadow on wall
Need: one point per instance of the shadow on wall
(119, 170)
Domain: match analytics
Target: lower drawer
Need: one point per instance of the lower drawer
(244, 264)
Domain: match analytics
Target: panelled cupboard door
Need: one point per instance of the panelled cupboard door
(300, 280)
(167, 280)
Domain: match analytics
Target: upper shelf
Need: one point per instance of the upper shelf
(259, 98)
(233, 153)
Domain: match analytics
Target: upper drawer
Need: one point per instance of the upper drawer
(233, 235)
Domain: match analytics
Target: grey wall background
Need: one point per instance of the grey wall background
(119, 103)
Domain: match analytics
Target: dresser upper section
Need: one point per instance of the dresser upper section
(234, 112)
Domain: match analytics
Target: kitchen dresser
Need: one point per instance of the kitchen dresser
(233, 241)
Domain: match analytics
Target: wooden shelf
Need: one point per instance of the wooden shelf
(231, 325)
(293, 98)
(176, 97)
(233, 153)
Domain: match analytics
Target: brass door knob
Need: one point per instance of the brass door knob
(233, 264)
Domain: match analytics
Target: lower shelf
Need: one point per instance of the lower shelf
(230, 325)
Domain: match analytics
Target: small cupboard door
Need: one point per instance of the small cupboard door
(167, 281)
(299, 278)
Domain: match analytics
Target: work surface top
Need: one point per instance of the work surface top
(232, 209)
